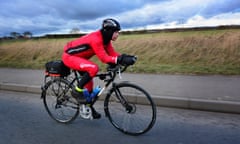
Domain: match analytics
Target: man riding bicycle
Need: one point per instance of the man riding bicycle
(78, 52)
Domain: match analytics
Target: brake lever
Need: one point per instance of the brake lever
(119, 73)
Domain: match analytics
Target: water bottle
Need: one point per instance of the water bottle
(89, 97)
(95, 92)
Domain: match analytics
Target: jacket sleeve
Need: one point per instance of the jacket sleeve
(103, 54)
(110, 50)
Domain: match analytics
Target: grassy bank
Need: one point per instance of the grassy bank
(190, 52)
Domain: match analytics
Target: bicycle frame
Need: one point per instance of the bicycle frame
(111, 74)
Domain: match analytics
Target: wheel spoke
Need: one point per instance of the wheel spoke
(59, 103)
(130, 109)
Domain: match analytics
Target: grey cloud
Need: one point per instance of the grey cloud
(46, 16)
(220, 6)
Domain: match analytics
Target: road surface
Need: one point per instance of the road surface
(24, 120)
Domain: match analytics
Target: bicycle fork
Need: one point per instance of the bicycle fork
(119, 98)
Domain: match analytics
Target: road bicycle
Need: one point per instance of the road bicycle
(128, 107)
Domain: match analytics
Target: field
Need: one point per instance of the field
(186, 52)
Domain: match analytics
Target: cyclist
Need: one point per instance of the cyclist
(78, 52)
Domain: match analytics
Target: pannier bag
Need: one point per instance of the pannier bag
(57, 68)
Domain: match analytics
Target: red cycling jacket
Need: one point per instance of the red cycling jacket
(92, 44)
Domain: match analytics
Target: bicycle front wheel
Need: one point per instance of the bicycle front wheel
(58, 101)
(130, 109)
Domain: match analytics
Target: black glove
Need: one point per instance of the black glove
(126, 59)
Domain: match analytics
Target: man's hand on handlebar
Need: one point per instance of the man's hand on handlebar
(126, 60)
(123, 60)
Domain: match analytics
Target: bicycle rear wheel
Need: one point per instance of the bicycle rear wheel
(130, 109)
(58, 101)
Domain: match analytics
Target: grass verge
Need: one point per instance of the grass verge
(190, 52)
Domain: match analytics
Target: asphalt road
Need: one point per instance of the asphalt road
(23, 120)
(208, 87)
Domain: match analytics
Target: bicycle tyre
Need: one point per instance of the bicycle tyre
(58, 101)
(142, 114)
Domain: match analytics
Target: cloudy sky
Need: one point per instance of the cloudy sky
(60, 16)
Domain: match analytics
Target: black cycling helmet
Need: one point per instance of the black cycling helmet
(111, 24)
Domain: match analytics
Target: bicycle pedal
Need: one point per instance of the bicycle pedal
(86, 112)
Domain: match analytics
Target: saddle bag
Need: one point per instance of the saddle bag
(57, 68)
